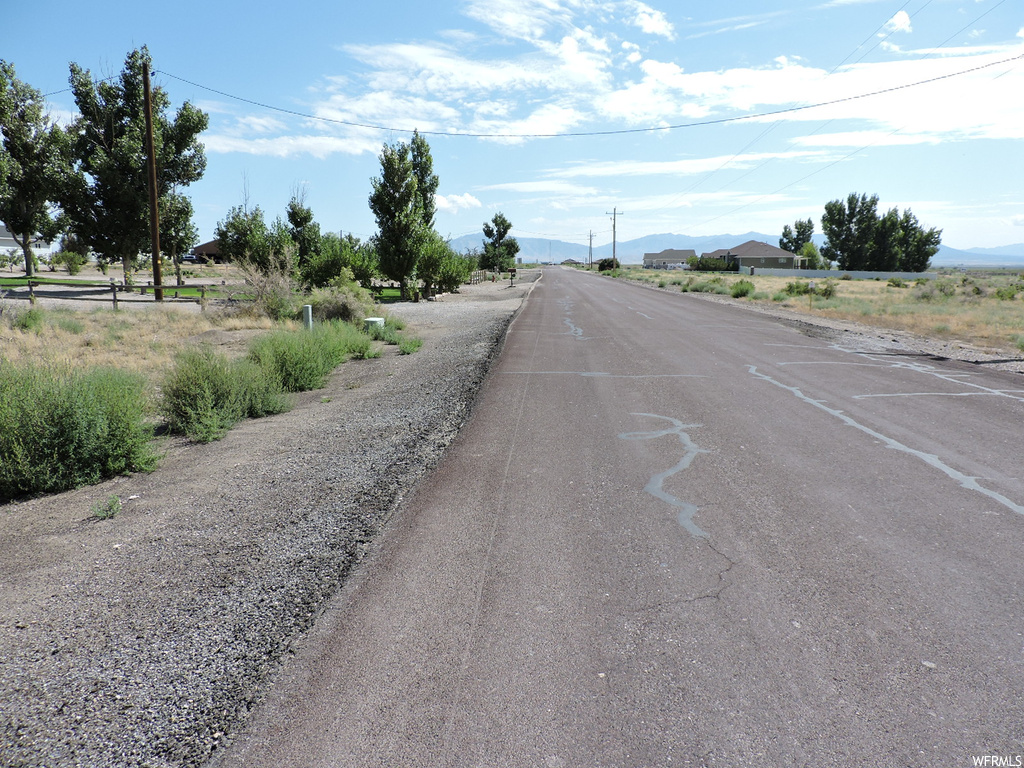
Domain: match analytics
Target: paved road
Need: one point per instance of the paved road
(676, 533)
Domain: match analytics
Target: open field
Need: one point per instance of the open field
(144, 340)
(983, 309)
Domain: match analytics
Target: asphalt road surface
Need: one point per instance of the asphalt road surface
(678, 533)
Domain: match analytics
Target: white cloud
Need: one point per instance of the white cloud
(455, 203)
(546, 120)
(1018, 221)
(685, 167)
(900, 22)
(547, 186)
(520, 19)
(652, 22)
(319, 147)
(260, 124)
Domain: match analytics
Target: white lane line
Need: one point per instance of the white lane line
(654, 485)
(965, 481)
(934, 394)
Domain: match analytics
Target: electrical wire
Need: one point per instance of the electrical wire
(615, 132)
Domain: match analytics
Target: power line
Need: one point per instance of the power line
(615, 132)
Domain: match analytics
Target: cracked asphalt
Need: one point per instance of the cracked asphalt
(677, 533)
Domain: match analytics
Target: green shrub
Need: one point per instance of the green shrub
(31, 320)
(826, 289)
(70, 260)
(302, 360)
(607, 265)
(780, 296)
(798, 288)
(206, 394)
(107, 510)
(1007, 292)
(343, 301)
(741, 289)
(408, 346)
(897, 282)
(61, 428)
(702, 264)
(455, 270)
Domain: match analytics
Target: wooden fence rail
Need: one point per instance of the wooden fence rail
(99, 292)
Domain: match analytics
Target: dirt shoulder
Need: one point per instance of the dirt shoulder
(145, 639)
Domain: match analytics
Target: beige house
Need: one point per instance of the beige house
(668, 259)
(754, 253)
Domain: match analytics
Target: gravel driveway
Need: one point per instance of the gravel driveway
(144, 640)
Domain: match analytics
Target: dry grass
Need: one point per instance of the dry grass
(971, 313)
(144, 340)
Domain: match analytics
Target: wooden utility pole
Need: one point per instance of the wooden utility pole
(590, 252)
(154, 214)
(615, 213)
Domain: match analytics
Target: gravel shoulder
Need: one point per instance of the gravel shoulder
(144, 640)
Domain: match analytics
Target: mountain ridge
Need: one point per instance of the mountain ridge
(534, 249)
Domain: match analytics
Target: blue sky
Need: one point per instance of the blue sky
(671, 105)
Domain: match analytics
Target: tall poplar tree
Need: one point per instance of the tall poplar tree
(395, 204)
(33, 161)
(107, 198)
(426, 179)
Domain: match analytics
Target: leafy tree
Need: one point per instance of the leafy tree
(305, 232)
(328, 263)
(364, 264)
(455, 270)
(917, 246)
(243, 235)
(107, 198)
(33, 159)
(11, 258)
(857, 238)
(426, 179)
(177, 232)
(73, 254)
(794, 238)
(499, 249)
(812, 258)
(885, 254)
(435, 254)
(849, 228)
(396, 206)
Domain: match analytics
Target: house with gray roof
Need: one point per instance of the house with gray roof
(754, 253)
(669, 258)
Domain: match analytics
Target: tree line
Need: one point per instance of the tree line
(87, 185)
(858, 238)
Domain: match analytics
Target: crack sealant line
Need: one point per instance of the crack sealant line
(928, 370)
(965, 481)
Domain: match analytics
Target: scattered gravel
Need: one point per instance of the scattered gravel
(144, 640)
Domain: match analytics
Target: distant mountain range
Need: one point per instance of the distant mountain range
(533, 249)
